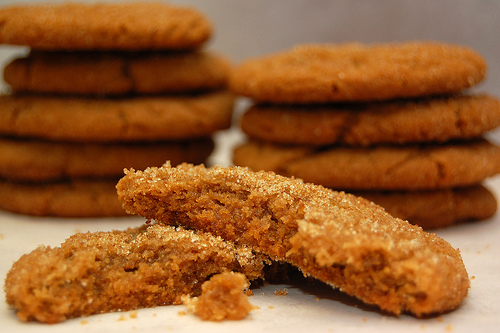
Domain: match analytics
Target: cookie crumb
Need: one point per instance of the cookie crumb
(222, 297)
(280, 292)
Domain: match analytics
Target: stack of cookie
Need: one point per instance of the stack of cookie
(104, 87)
(395, 123)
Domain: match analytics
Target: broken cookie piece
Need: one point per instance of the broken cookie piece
(222, 297)
(340, 239)
(102, 272)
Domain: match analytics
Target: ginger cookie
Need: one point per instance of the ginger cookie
(111, 271)
(105, 120)
(104, 26)
(437, 208)
(117, 73)
(338, 238)
(32, 160)
(65, 198)
(365, 124)
(320, 73)
(405, 167)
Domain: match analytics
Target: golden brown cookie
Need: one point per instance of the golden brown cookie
(363, 124)
(356, 72)
(104, 26)
(70, 198)
(99, 272)
(113, 73)
(32, 160)
(105, 120)
(406, 167)
(437, 208)
(343, 240)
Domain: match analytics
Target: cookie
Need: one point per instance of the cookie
(340, 239)
(117, 73)
(104, 26)
(319, 73)
(405, 167)
(365, 124)
(147, 266)
(32, 160)
(76, 198)
(106, 120)
(437, 208)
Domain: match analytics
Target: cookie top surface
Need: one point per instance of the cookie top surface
(320, 73)
(391, 167)
(116, 120)
(117, 73)
(123, 26)
(364, 124)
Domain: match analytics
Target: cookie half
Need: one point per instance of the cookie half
(437, 208)
(321, 73)
(409, 167)
(77, 198)
(117, 73)
(106, 120)
(363, 124)
(32, 160)
(104, 26)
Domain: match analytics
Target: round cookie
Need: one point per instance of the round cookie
(117, 73)
(104, 26)
(364, 124)
(321, 73)
(30, 160)
(410, 167)
(78, 198)
(105, 120)
(437, 208)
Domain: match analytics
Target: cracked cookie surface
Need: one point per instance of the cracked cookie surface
(406, 167)
(320, 73)
(38, 160)
(340, 239)
(108, 120)
(364, 124)
(117, 73)
(104, 26)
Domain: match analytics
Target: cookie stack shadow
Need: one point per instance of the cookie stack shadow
(396, 123)
(98, 93)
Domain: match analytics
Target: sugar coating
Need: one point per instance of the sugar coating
(318, 73)
(104, 26)
(101, 272)
(340, 239)
(222, 298)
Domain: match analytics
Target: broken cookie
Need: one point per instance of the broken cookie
(343, 240)
(102, 272)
